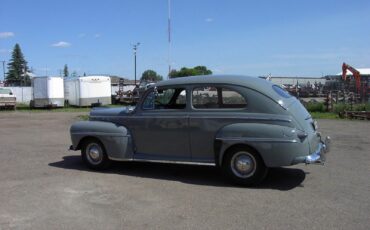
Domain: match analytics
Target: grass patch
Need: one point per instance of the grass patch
(315, 106)
(324, 115)
(83, 117)
(340, 107)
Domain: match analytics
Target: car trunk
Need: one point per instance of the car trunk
(307, 124)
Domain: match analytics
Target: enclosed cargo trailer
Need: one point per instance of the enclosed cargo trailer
(88, 90)
(47, 92)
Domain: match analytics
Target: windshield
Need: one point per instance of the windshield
(5, 91)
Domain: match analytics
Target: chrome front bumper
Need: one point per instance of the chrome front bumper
(317, 157)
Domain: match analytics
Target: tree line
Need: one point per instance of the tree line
(152, 76)
(19, 74)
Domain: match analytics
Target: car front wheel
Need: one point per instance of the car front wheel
(94, 155)
(244, 166)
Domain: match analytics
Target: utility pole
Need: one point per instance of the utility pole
(135, 49)
(169, 39)
(3, 69)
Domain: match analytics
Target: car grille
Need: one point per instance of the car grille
(7, 99)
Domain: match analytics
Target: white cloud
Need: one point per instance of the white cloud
(61, 44)
(81, 35)
(97, 35)
(208, 20)
(6, 34)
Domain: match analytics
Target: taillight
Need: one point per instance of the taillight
(314, 125)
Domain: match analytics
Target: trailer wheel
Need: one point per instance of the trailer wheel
(94, 155)
(31, 104)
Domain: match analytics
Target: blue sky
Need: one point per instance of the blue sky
(284, 38)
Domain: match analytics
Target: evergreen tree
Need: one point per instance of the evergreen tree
(17, 69)
(65, 71)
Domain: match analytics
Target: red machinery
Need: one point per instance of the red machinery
(355, 73)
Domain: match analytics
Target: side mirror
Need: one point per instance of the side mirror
(10, 93)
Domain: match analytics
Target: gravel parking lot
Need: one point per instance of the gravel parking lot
(44, 186)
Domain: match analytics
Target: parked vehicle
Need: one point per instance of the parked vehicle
(47, 92)
(243, 125)
(7, 99)
(87, 91)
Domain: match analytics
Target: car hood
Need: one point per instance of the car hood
(7, 95)
(111, 112)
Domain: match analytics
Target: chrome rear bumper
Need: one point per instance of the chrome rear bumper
(317, 157)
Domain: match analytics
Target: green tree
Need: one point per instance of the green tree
(65, 71)
(185, 72)
(17, 69)
(151, 76)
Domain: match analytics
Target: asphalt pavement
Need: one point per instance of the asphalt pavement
(45, 186)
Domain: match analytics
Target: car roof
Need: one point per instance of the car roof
(255, 83)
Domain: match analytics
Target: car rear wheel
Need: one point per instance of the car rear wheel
(244, 166)
(94, 155)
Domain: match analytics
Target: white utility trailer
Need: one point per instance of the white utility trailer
(47, 92)
(88, 90)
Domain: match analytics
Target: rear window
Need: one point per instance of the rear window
(217, 98)
(282, 92)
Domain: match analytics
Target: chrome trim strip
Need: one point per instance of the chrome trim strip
(164, 161)
(101, 134)
(244, 118)
(254, 139)
(196, 116)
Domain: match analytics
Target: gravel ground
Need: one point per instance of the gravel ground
(44, 186)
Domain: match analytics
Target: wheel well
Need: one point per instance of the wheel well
(88, 138)
(242, 146)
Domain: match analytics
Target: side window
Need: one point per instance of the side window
(232, 99)
(205, 97)
(170, 98)
(217, 98)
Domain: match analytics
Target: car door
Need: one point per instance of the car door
(213, 107)
(161, 127)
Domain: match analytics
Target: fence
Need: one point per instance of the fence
(24, 94)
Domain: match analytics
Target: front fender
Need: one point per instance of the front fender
(116, 139)
(278, 145)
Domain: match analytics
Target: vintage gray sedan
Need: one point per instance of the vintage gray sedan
(243, 125)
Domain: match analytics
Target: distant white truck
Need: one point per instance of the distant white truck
(7, 99)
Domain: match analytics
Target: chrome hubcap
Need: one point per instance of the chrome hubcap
(94, 153)
(243, 164)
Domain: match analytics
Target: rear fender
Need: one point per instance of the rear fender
(116, 139)
(277, 144)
